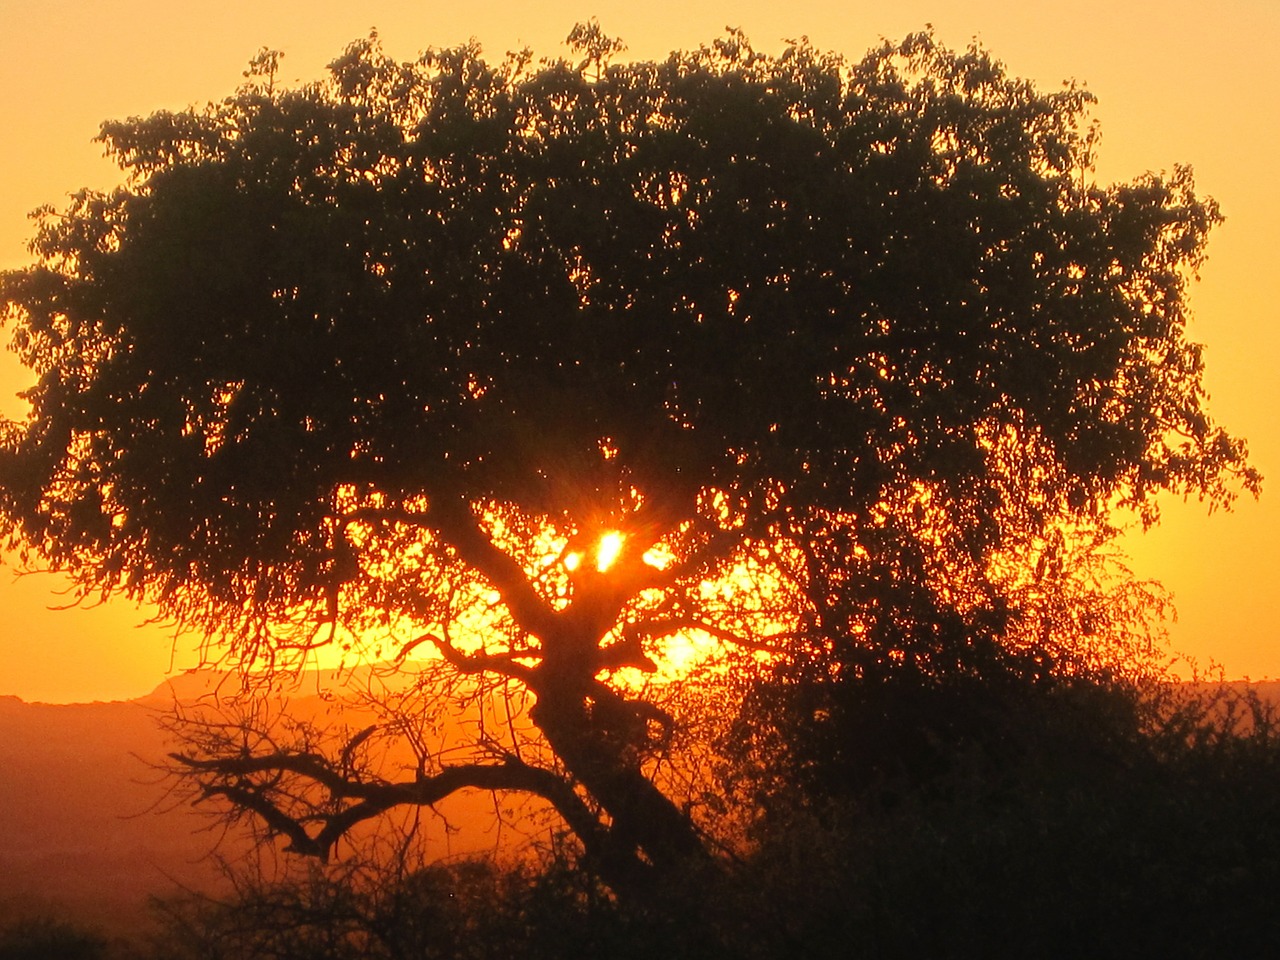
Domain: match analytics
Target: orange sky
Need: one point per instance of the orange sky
(1178, 81)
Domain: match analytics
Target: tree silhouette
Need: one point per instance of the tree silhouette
(382, 359)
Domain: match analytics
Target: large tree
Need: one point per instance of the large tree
(389, 355)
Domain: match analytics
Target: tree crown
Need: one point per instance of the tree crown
(728, 291)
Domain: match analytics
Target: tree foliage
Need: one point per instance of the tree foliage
(386, 355)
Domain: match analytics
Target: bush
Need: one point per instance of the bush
(45, 938)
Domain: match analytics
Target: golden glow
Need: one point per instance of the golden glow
(572, 561)
(607, 552)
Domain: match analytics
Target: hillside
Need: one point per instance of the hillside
(88, 829)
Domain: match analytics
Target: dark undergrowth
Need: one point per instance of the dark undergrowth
(1162, 843)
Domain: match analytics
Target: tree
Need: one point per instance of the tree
(395, 355)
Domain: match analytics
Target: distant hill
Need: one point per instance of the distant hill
(88, 831)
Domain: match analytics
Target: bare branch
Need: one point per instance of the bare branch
(231, 778)
(503, 663)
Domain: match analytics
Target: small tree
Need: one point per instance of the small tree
(514, 361)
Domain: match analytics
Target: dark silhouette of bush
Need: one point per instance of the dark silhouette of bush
(472, 909)
(46, 938)
(1122, 826)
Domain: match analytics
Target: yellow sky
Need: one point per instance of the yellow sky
(1178, 81)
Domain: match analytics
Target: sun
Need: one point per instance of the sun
(607, 552)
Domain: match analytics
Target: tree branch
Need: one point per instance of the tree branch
(503, 663)
(231, 778)
(669, 626)
(453, 520)
(718, 546)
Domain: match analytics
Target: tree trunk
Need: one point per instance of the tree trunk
(651, 841)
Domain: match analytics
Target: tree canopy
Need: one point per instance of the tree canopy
(389, 353)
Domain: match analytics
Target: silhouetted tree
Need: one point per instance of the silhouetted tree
(379, 361)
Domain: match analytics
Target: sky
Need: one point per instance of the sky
(1179, 81)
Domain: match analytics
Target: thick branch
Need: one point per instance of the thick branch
(670, 626)
(503, 663)
(229, 777)
(454, 522)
